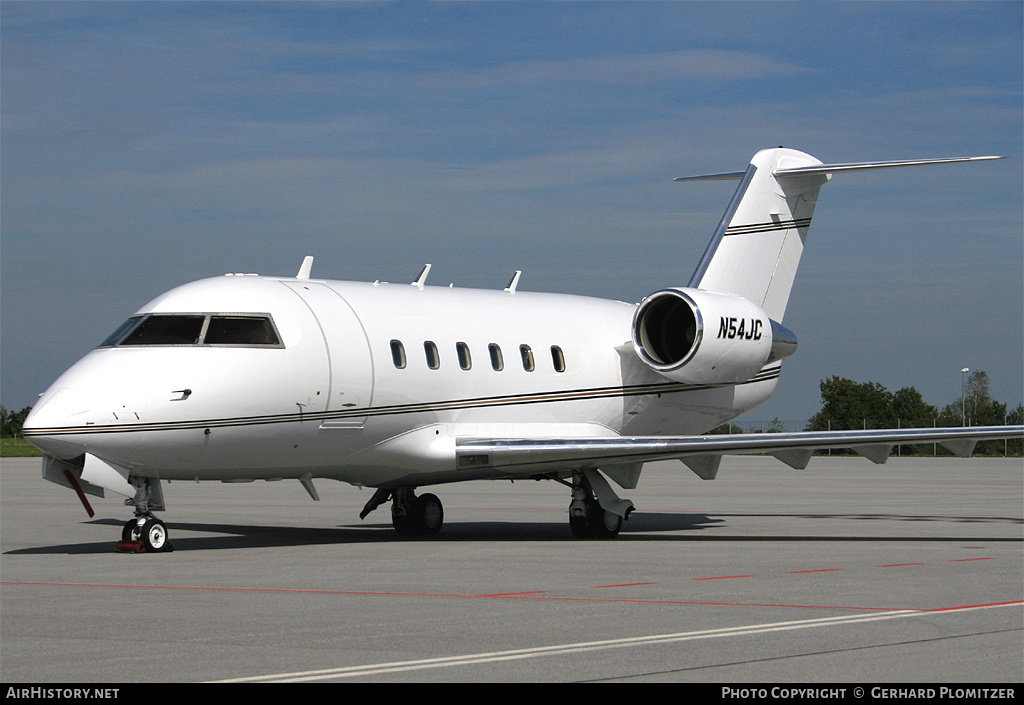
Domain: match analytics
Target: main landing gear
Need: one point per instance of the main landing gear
(595, 511)
(410, 515)
(588, 516)
(145, 533)
(595, 524)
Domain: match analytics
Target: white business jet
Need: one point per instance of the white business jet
(397, 387)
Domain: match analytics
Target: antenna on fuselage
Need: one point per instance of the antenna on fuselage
(307, 266)
(422, 278)
(511, 288)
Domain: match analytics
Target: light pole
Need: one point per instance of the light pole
(963, 396)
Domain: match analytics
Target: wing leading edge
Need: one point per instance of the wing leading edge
(702, 454)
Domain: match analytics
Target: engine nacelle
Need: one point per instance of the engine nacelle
(701, 337)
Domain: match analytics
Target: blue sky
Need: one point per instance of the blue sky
(149, 144)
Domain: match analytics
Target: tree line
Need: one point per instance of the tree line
(851, 405)
(848, 405)
(11, 422)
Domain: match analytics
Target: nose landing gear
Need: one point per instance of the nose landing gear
(145, 533)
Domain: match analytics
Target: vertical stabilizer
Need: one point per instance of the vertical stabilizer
(757, 246)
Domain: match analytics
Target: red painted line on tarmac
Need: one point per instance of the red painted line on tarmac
(297, 591)
(724, 577)
(897, 565)
(600, 587)
(523, 595)
(963, 560)
(976, 607)
(511, 594)
(818, 570)
(698, 603)
(539, 595)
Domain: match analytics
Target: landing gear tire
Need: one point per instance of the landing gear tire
(154, 536)
(130, 532)
(581, 527)
(424, 516)
(598, 524)
(404, 525)
(150, 532)
(604, 524)
(587, 518)
(429, 514)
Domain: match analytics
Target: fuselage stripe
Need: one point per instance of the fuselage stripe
(767, 227)
(451, 405)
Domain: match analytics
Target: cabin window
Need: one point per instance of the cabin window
(398, 354)
(557, 358)
(433, 359)
(240, 330)
(497, 362)
(527, 355)
(465, 360)
(167, 330)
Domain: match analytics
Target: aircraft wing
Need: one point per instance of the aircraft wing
(702, 454)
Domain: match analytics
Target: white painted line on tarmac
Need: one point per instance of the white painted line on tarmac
(580, 647)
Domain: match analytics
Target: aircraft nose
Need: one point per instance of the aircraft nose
(51, 423)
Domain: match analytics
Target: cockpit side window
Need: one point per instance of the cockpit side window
(241, 330)
(122, 330)
(167, 330)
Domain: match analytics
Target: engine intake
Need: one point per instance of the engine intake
(700, 337)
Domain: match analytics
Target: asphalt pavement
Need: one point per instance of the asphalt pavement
(846, 572)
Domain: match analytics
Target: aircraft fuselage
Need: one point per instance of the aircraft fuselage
(366, 383)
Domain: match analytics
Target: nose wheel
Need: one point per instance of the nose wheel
(144, 535)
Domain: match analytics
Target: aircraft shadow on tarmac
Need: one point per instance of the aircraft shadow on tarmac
(646, 526)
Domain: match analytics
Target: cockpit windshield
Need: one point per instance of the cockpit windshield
(122, 331)
(242, 330)
(166, 330)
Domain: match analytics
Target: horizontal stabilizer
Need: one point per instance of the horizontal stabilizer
(838, 168)
(867, 166)
(729, 176)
